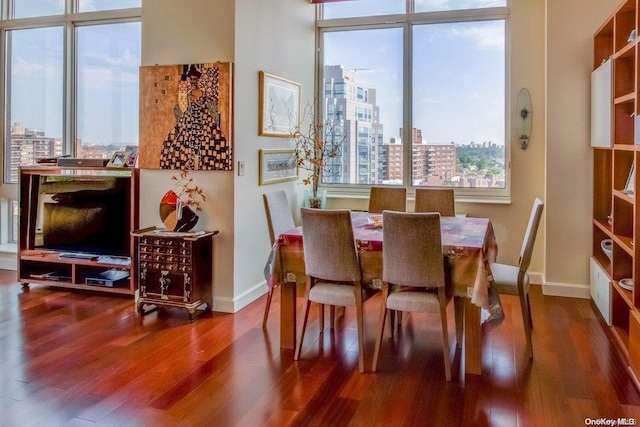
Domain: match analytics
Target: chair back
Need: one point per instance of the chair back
(412, 249)
(440, 200)
(329, 247)
(387, 198)
(279, 216)
(530, 235)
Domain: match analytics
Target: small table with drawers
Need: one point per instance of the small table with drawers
(174, 270)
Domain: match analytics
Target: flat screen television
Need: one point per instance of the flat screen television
(85, 214)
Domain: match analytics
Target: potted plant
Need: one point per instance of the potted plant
(317, 151)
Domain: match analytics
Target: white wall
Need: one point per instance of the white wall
(570, 30)
(276, 36)
(193, 31)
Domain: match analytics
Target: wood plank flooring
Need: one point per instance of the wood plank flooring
(81, 359)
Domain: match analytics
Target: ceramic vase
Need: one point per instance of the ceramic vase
(175, 215)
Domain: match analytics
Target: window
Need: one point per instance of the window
(424, 92)
(72, 80)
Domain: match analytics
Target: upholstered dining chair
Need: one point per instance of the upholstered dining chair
(389, 198)
(435, 200)
(413, 272)
(514, 280)
(279, 220)
(332, 266)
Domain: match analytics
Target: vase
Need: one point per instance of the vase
(319, 202)
(175, 215)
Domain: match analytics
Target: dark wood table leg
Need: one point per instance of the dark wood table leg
(288, 315)
(472, 338)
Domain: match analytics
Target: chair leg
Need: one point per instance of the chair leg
(458, 305)
(392, 323)
(383, 317)
(304, 327)
(529, 311)
(307, 306)
(321, 317)
(399, 316)
(266, 309)
(332, 316)
(445, 334)
(527, 325)
(360, 318)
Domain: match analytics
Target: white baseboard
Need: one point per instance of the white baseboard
(570, 290)
(8, 261)
(229, 305)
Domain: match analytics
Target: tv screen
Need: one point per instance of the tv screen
(80, 215)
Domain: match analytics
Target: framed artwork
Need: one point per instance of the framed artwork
(629, 187)
(279, 106)
(118, 160)
(185, 116)
(277, 166)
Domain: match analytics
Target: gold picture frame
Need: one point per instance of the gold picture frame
(277, 165)
(279, 106)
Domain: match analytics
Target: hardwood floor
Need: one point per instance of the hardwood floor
(78, 359)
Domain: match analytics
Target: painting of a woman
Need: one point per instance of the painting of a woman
(196, 142)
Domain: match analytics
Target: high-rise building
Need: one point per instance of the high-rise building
(432, 164)
(28, 145)
(352, 107)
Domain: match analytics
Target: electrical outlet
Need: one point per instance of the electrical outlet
(240, 167)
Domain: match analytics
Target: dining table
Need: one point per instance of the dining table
(468, 244)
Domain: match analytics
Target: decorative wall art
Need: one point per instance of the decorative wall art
(279, 106)
(185, 116)
(278, 165)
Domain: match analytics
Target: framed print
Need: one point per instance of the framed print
(279, 107)
(278, 166)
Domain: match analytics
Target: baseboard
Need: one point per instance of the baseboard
(570, 290)
(233, 305)
(8, 261)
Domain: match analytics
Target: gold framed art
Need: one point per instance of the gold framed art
(277, 165)
(279, 106)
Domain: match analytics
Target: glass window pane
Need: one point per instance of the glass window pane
(32, 8)
(350, 9)
(459, 104)
(440, 5)
(363, 95)
(107, 92)
(34, 99)
(96, 5)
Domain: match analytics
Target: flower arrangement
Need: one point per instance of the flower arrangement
(188, 194)
(317, 150)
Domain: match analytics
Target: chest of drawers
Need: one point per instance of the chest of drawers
(174, 270)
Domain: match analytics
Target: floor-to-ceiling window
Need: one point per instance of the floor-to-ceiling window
(421, 87)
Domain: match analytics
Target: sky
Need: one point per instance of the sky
(108, 70)
(458, 73)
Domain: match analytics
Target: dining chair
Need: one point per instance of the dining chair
(279, 220)
(435, 200)
(413, 272)
(332, 266)
(389, 198)
(514, 280)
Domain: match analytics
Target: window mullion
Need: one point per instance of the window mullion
(69, 88)
(407, 122)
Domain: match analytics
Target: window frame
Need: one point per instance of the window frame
(407, 22)
(69, 21)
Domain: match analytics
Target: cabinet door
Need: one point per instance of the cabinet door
(601, 102)
(600, 288)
